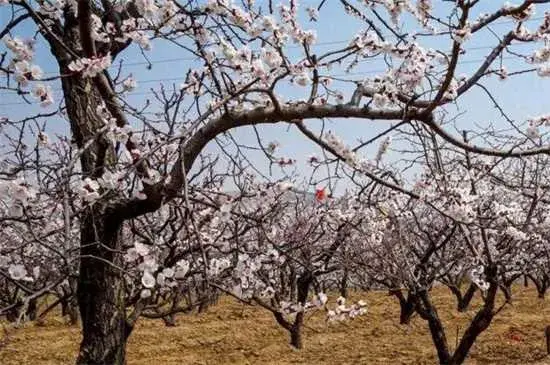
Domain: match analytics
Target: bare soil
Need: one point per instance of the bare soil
(231, 333)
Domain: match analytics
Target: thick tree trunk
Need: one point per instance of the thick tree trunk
(100, 285)
(101, 291)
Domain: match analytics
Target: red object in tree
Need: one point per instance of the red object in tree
(320, 194)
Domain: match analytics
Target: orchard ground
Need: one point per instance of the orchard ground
(231, 333)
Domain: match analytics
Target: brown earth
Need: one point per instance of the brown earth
(232, 333)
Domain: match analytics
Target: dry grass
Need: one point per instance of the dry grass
(233, 334)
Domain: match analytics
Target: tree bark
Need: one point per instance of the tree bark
(542, 287)
(69, 307)
(303, 282)
(296, 337)
(169, 320)
(344, 284)
(32, 310)
(293, 284)
(507, 291)
(12, 315)
(428, 312)
(407, 306)
(72, 312)
(101, 291)
(302, 285)
(480, 322)
(100, 285)
(466, 299)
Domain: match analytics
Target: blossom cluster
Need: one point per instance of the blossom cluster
(25, 71)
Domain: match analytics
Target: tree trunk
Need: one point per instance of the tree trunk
(541, 285)
(293, 284)
(64, 307)
(541, 289)
(428, 312)
(32, 310)
(72, 312)
(344, 284)
(295, 328)
(466, 299)
(407, 306)
(72, 308)
(302, 285)
(296, 337)
(507, 291)
(169, 320)
(455, 289)
(69, 307)
(101, 291)
(547, 335)
(12, 315)
(480, 322)
(100, 285)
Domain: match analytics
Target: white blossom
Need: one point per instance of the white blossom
(148, 280)
(17, 272)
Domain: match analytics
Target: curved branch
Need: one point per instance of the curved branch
(160, 193)
(13, 24)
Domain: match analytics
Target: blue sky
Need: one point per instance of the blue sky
(524, 96)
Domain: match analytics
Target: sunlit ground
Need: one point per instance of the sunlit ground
(231, 333)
